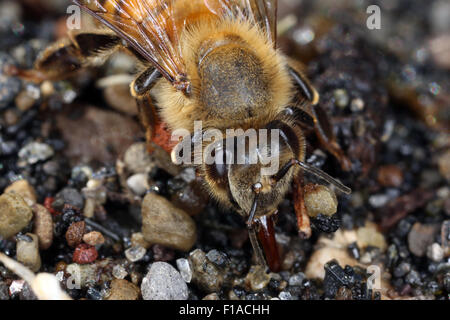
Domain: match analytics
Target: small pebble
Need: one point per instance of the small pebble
(24, 100)
(43, 226)
(166, 225)
(257, 278)
(34, 152)
(420, 237)
(218, 258)
(15, 214)
(390, 176)
(25, 189)
(119, 272)
(284, 295)
(297, 279)
(75, 232)
(137, 240)
(84, 254)
(370, 236)
(137, 159)
(93, 238)
(413, 278)
(135, 254)
(357, 105)
(185, 269)
(205, 273)
(138, 183)
(70, 196)
(28, 251)
(341, 98)
(402, 269)
(435, 252)
(320, 199)
(163, 282)
(123, 290)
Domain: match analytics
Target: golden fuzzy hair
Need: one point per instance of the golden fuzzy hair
(180, 111)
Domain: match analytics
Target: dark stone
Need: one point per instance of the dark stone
(325, 223)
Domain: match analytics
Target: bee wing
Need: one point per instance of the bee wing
(265, 13)
(262, 12)
(148, 26)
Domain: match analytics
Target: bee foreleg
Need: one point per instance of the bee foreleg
(302, 84)
(148, 118)
(303, 222)
(322, 126)
(140, 89)
(327, 138)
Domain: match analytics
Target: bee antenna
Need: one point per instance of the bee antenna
(313, 170)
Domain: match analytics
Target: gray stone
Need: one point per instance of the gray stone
(284, 295)
(71, 196)
(163, 282)
(297, 279)
(34, 152)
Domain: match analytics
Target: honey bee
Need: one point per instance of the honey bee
(216, 61)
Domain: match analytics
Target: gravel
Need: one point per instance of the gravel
(72, 154)
(163, 282)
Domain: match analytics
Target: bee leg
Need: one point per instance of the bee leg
(303, 222)
(322, 126)
(327, 138)
(156, 130)
(148, 118)
(303, 85)
(266, 235)
(68, 55)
